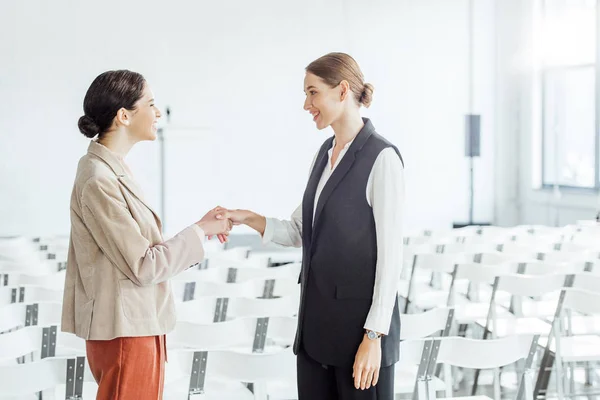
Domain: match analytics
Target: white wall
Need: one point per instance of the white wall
(518, 198)
(233, 72)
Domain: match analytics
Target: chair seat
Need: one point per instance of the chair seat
(518, 326)
(585, 325)
(540, 309)
(467, 398)
(471, 312)
(432, 299)
(405, 378)
(282, 390)
(579, 348)
(213, 390)
(418, 287)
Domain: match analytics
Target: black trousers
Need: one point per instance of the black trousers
(318, 382)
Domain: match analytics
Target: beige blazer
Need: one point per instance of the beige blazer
(118, 267)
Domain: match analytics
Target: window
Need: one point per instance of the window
(568, 84)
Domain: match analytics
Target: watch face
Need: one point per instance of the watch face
(371, 335)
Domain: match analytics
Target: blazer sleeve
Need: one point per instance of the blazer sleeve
(118, 235)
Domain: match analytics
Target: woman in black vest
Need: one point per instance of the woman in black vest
(350, 228)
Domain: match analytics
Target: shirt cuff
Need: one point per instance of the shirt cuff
(268, 234)
(199, 231)
(379, 319)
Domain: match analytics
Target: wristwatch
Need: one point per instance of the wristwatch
(373, 335)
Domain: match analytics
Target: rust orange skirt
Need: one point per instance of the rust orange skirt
(128, 368)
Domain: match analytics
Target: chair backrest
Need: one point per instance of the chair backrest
(469, 247)
(412, 351)
(200, 310)
(284, 306)
(582, 301)
(18, 380)
(484, 354)
(478, 273)
(531, 285)
(567, 256)
(31, 267)
(523, 249)
(42, 341)
(211, 309)
(251, 334)
(29, 294)
(441, 262)
(421, 325)
(496, 257)
(544, 268)
(250, 288)
(198, 367)
(287, 271)
(587, 281)
(24, 314)
(55, 280)
(247, 367)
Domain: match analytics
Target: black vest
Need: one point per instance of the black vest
(340, 256)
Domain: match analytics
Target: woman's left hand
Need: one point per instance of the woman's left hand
(367, 363)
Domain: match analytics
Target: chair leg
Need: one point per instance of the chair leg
(422, 389)
(260, 391)
(528, 379)
(544, 374)
(559, 372)
(497, 390)
(572, 378)
(588, 374)
(448, 379)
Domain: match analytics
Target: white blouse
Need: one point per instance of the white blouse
(385, 194)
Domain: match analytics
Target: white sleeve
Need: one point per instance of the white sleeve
(286, 232)
(386, 196)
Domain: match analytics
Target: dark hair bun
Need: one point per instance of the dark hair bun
(88, 127)
(108, 93)
(367, 95)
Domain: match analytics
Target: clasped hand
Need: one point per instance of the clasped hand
(218, 222)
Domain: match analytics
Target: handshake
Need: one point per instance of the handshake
(219, 221)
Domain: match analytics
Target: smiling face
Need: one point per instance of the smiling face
(323, 102)
(143, 119)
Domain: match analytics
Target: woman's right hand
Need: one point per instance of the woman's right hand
(216, 222)
(246, 217)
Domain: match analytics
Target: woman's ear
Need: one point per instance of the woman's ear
(123, 118)
(345, 89)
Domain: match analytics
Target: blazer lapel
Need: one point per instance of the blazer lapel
(114, 163)
(311, 191)
(342, 169)
(136, 191)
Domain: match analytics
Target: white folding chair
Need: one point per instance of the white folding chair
(417, 292)
(249, 334)
(534, 319)
(29, 294)
(435, 322)
(239, 275)
(22, 380)
(55, 280)
(479, 275)
(40, 342)
(410, 373)
(26, 314)
(210, 309)
(222, 374)
(485, 354)
(569, 348)
(188, 290)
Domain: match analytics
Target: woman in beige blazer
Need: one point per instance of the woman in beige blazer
(117, 295)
